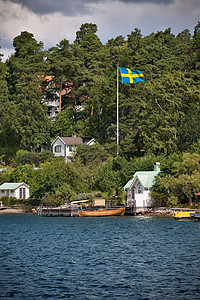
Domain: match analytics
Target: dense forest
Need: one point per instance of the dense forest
(159, 120)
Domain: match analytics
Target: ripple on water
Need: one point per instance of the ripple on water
(106, 258)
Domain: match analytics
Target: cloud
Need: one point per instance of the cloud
(112, 17)
(149, 17)
(72, 7)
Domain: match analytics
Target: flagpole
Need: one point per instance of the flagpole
(117, 112)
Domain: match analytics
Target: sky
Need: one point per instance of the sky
(51, 21)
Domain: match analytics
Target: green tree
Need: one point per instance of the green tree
(62, 67)
(30, 126)
(64, 123)
(184, 184)
(52, 176)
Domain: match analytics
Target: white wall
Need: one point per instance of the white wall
(27, 192)
(16, 193)
(64, 149)
(59, 143)
(139, 200)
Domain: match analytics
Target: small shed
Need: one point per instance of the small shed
(99, 202)
(139, 189)
(12, 189)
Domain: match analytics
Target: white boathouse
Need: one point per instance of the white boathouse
(139, 188)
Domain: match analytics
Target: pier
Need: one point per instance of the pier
(69, 211)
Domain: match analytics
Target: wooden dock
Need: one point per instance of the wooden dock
(57, 212)
(68, 211)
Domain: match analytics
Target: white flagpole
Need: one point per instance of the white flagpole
(117, 112)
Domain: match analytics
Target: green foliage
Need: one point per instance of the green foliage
(53, 175)
(24, 157)
(83, 196)
(172, 201)
(154, 117)
(112, 176)
(64, 123)
(185, 181)
(91, 155)
(7, 201)
(159, 120)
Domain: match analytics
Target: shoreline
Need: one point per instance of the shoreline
(16, 210)
(162, 212)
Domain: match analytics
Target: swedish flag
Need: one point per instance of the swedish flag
(131, 76)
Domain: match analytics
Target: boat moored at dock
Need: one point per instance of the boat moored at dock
(102, 212)
(183, 214)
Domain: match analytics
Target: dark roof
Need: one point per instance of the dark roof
(72, 140)
(86, 140)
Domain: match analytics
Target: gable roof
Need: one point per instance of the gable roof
(74, 140)
(147, 178)
(12, 185)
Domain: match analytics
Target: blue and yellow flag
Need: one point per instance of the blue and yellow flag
(131, 76)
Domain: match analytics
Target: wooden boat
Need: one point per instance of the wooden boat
(182, 214)
(102, 212)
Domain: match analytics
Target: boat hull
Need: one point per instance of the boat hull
(102, 212)
(183, 214)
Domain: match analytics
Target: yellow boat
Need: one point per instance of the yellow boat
(182, 214)
(102, 212)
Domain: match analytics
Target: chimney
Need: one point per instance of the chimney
(74, 134)
(157, 167)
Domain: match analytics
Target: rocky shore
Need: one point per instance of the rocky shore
(158, 213)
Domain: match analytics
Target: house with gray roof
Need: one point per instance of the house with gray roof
(66, 146)
(12, 189)
(139, 188)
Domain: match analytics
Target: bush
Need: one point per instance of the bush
(32, 202)
(51, 200)
(158, 199)
(172, 201)
(98, 194)
(83, 196)
(5, 200)
(24, 157)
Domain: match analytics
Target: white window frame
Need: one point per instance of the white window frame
(22, 193)
(57, 148)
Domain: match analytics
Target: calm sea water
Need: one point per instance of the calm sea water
(98, 258)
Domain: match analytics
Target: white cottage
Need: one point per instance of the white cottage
(139, 188)
(66, 146)
(17, 190)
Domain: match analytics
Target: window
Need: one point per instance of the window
(70, 148)
(22, 193)
(58, 148)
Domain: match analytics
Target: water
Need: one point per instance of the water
(98, 258)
